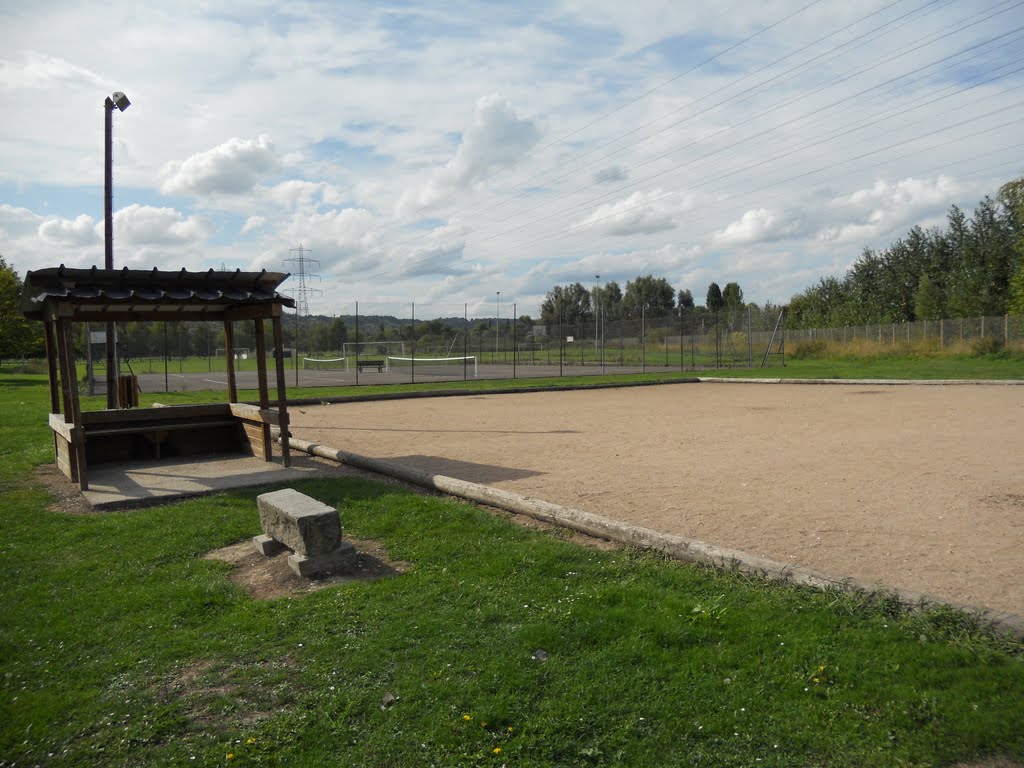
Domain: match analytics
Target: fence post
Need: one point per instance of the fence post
(1006, 328)
(983, 326)
(643, 339)
(750, 342)
(942, 332)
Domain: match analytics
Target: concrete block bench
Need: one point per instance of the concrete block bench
(309, 528)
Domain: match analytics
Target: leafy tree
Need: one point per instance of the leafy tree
(18, 337)
(524, 327)
(1016, 302)
(338, 334)
(714, 301)
(1011, 197)
(609, 299)
(652, 294)
(732, 295)
(928, 304)
(568, 305)
(685, 300)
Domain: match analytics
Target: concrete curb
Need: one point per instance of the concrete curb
(478, 392)
(871, 382)
(678, 547)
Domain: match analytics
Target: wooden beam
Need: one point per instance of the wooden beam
(253, 311)
(61, 427)
(72, 413)
(261, 363)
(282, 398)
(229, 353)
(261, 376)
(255, 413)
(51, 365)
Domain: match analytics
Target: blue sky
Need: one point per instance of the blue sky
(440, 153)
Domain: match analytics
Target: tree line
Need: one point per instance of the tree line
(645, 295)
(973, 267)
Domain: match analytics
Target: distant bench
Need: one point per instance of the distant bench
(378, 364)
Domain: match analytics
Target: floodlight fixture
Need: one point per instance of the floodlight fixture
(120, 101)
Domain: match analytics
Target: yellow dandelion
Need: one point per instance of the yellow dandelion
(250, 740)
(497, 750)
(467, 718)
(815, 680)
(230, 756)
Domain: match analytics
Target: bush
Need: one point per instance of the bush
(807, 350)
(987, 345)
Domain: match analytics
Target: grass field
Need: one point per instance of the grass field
(120, 646)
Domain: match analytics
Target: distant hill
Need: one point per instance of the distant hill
(390, 321)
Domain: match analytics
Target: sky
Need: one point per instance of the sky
(450, 158)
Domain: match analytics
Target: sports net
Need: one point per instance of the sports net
(325, 364)
(434, 366)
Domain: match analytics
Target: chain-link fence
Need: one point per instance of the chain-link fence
(369, 346)
(948, 333)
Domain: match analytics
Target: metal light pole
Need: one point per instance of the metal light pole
(497, 323)
(597, 280)
(120, 101)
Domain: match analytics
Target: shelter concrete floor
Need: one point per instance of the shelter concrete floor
(151, 482)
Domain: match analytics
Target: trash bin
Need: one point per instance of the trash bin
(128, 391)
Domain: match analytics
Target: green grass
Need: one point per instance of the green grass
(119, 646)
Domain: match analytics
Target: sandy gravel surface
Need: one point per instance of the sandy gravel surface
(920, 487)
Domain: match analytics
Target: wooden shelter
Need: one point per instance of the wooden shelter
(61, 296)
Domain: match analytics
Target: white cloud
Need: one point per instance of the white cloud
(758, 225)
(642, 213)
(143, 225)
(497, 137)
(15, 222)
(232, 168)
(82, 230)
(342, 241)
(438, 252)
(34, 71)
(252, 224)
(888, 208)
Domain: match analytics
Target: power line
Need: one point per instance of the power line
(619, 190)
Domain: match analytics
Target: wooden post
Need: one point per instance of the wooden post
(69, 387)
(282, 399)
(261, 375)
(261, 363)
(49, 333)
(229, 354)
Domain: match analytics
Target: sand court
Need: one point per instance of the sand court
(912, 486)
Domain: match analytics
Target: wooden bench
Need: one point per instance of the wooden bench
(378, 364)
(157, 433)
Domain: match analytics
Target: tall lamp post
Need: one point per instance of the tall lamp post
(597, 280)
(497, 323)
(120, 101)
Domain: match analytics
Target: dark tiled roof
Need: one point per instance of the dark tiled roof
(149, 289)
